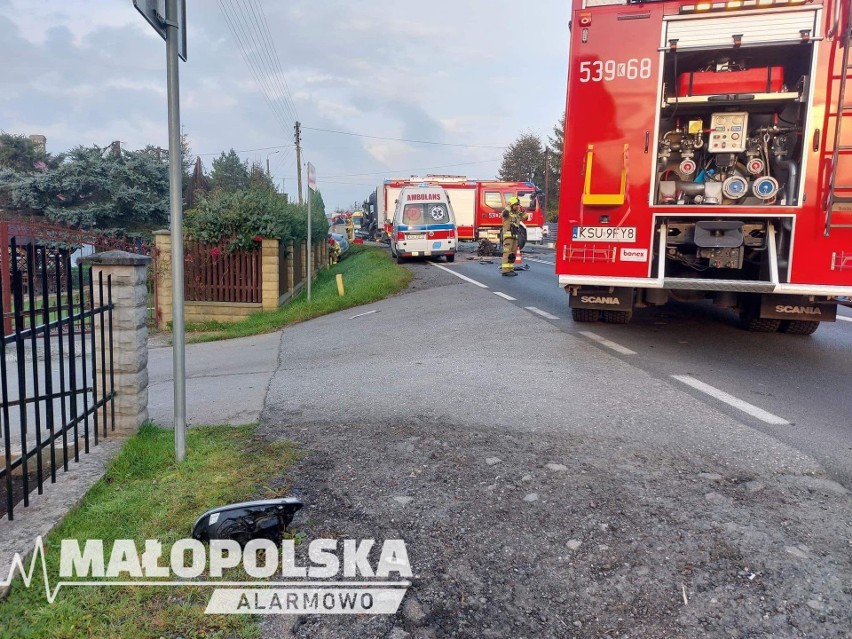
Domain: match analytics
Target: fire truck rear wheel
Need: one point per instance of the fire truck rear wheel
(451, 257)
(762, 325)
(616, 317)
(799, 327)
(399, 258)
(585, 314)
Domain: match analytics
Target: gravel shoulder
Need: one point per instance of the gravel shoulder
(562, 493)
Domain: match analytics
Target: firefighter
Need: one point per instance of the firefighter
(333, 251)
(511, 229)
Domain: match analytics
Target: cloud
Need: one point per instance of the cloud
(477, 72)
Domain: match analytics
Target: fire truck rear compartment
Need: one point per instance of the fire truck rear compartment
(730, 126)
(735, 264)
(735, 248)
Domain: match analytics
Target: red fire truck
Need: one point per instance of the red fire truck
(707, 156)
(478, 205)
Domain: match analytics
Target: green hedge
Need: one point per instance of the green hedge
(238, 219)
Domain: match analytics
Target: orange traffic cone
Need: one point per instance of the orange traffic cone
(518, 263)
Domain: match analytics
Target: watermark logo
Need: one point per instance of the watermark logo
(346, 576)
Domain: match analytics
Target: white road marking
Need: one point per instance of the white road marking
(504, 296)
(532, 259)
(618, 348)
(844, 318)
(544, 314)
(363, 314)
(736, 402)
(460, 276)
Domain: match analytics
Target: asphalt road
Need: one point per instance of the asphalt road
(795, 388)
(551, 493)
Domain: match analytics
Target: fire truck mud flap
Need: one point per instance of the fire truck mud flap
(797, 307)
(603, 299)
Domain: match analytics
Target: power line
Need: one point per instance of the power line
(320, 182)
(278, 165)
(249, 60)
(283, 78)
(422, 168)
(261, 46)
(268, 46)
(243, 35)
(378, 137)
(265, 148)
(265, 74)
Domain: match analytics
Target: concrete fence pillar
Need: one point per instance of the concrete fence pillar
(128, 274)
(291, 275)
(163, 277)
(269, 273)
(316, 262)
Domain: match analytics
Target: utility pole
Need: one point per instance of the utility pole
(299, 159)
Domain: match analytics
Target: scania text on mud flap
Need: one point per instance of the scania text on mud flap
(708, 155)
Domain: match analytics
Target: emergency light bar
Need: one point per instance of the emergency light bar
(701, 7)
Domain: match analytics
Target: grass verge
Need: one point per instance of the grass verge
(146, 495)
(369, 275)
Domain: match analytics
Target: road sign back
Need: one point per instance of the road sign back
(154, 12)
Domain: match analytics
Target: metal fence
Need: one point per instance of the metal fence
(55, 368)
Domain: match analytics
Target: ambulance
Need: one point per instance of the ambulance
(423, 224)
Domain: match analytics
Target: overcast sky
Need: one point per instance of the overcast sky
(468, 72)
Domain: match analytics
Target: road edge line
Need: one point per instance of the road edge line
(730, 400)
(460, 276)
(603, 341)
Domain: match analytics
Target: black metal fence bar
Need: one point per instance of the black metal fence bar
(7, 431)
(48, 368)
(94, 355)
(43, 320)
(63, 410)
(83, 360)
(103, 336)
(72, 370)
(18, 300)
(111, 353)
(31, 311)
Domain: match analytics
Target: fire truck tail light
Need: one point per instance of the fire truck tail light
(701, 7)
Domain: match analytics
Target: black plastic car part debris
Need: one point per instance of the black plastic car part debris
(242, 522)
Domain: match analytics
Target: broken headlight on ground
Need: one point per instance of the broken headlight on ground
(244, 521)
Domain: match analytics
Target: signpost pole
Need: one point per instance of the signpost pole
(310, 245)
(173, 36)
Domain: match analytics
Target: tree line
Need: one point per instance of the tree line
(115, 189)
(529, 159)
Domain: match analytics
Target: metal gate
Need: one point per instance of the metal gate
(55, 368)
